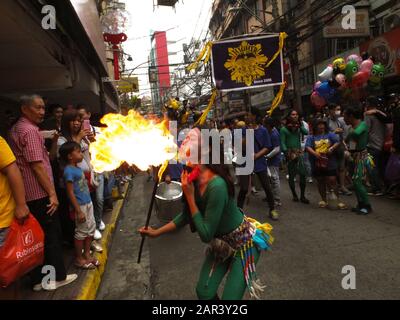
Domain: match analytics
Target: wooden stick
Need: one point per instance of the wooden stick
(153, 198)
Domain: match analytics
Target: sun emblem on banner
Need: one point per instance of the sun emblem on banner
(246, 63)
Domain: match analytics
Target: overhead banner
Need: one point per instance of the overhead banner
(247, 63)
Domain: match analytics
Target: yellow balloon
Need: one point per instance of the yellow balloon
(339, 63)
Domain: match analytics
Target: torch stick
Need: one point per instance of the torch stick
(153, 198)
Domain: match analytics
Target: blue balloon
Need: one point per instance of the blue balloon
(326, 91)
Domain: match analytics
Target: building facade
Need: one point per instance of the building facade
(160, 79)
(315, 39)
(64, 63)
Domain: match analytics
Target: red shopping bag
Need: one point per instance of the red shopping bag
(23, 250)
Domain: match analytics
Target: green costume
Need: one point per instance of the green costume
(363, 162)
(219, 218)
(291, 146)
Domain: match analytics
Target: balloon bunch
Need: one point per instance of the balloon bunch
(345, 77)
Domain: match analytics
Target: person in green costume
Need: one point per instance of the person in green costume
(236, 240)
(291, 147)
(362, 160)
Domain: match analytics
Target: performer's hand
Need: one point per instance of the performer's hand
(188, 188)
(149, 232)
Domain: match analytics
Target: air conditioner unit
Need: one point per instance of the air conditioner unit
(391, 21)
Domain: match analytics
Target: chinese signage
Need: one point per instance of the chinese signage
(244, 63)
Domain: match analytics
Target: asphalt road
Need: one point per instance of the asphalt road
(312, 246)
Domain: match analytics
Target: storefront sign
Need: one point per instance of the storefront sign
(336, 29)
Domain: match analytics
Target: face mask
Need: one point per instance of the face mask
(338, 113)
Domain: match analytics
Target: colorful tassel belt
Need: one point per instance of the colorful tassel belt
(249, 236)
(364, 163)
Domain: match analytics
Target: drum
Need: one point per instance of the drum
(168, 201)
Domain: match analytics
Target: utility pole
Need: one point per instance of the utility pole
(293, 56)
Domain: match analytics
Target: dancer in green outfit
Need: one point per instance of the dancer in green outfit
(235, 239)
(291, 147)
(362, 159)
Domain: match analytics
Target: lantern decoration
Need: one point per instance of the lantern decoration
(115, 23)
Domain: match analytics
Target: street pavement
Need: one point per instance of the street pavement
(312, 246)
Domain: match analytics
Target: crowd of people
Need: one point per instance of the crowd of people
(345, 149)
(45, 170)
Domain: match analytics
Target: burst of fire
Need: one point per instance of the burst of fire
(134, 140)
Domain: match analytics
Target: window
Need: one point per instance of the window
(307, 76)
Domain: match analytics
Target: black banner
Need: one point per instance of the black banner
(243, 63)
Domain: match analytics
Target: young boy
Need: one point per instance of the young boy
(79, 196)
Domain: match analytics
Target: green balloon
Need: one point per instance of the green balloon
(351, 70)
(377, 74)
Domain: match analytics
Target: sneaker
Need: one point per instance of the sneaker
(96, 247)
(376, 193)
(363, 212)
(274, 215)
(102, 226)
(345, 191)
(37, 287)
(278, 204)
(54, 285)
(310, 180)
(254, 190)
(97, 235)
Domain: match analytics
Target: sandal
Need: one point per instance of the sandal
(95, 262)
(323, 204)
(86, 266)
(342, 206)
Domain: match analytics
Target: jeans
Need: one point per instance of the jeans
(244, 182)
(275, 183)
(53, 253)
(3, 236)
(109, 184)
(98, 212)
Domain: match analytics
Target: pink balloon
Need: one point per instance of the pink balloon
(341, 79)
(317, 85)
(366, 66)
(317, 100)
(360, 79)
(354, 57)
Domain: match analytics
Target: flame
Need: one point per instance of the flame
(134, 140)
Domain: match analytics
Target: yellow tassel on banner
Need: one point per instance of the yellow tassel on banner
(206, 52)
(203, 117)
(278, 99)
(282, 37)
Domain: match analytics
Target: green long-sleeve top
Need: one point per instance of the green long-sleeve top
(218, 213)
(292, 139)
(360, 136)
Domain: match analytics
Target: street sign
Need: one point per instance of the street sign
(108, 79)
(127, 85)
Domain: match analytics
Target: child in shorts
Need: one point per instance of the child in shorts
(79, 197)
